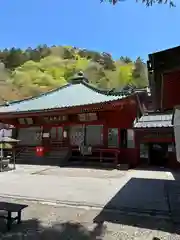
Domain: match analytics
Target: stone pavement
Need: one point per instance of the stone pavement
(74, 186)
(89, 203)
(151, 192)
(45, 222)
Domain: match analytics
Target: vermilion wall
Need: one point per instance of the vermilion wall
(130, 156)
(122, 118)
(166, 135)
(171, 89)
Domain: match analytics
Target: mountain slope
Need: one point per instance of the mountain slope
(25, 73)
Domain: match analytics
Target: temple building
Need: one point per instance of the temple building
(154, 130)
(75, 122)
(81, 123)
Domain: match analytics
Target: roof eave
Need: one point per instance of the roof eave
(76, 109)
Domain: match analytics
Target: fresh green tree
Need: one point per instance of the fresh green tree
(31, 71)
(139, 73)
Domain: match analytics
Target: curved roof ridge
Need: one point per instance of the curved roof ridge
(107, 92)
(96, 89)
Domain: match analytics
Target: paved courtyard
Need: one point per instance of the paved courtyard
(136, 189)
(139, 203)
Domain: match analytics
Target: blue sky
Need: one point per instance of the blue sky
(127, 29)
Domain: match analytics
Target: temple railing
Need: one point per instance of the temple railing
(101, 154)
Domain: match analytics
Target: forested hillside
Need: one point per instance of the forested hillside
(25, 73)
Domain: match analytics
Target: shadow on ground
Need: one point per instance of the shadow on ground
(145, 203)
(142, 203)
(32, 229)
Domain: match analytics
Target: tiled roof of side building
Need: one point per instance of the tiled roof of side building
(71, 95)
(154, 121)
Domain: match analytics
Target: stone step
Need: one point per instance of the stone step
(34, 156)
(40, 159)
(37, 161)
(52, 152)
(48, 156)
(54, 158)
(26, 153)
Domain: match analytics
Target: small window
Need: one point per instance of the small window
(82, 117)
(29, 121)
(64, 118)
(92, 116)
(21, 121)
(85, 117)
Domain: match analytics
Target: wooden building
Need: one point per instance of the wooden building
(77, 119)
(154, 132)
(81, 122)
(164, 74)
(154, 138)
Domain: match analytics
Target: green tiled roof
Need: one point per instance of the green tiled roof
(70, 95)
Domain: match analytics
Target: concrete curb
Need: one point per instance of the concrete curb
(123, 211)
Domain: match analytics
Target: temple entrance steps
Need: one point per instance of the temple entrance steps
(58, 157)
(55, 157)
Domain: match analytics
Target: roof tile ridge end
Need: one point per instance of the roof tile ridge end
(103, 91)
(94, 88)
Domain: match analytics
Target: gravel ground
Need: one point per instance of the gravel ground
(46, 222)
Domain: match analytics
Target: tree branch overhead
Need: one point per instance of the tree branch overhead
(148, 3)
